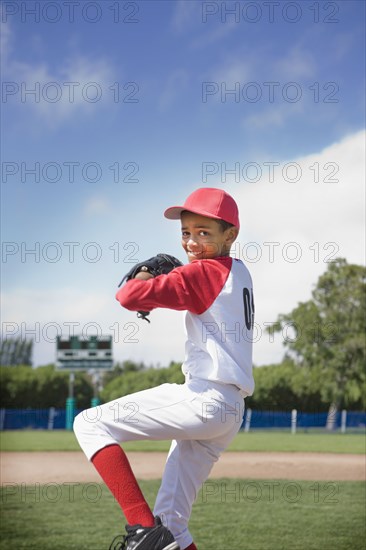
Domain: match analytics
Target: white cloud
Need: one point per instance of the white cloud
(77, 85)
(262, 81)
(97, 206)
(159, 342)
(55, 305)
(189, 17)
(307, 207)
(5, 40)
(175, 87)
(210, 37)
(44, 314)
(273, 80)
(297, 63)
(233, 70)
(183, 14)
(273, 117)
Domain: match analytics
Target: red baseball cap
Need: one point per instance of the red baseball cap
(210, 202)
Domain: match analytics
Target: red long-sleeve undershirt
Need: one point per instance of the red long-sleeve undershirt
(192, 287)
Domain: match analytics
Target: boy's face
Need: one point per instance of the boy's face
(203, 238)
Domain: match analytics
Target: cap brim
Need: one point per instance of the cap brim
(174, 212)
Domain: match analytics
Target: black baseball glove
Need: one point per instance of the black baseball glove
(161, 264)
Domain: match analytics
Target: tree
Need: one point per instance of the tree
(16, 351)
(325, 336)
(22, 387)
(122, 368)
(133, 381)
(280, 387)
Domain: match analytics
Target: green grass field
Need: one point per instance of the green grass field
(233, 514)
(267, 514)
(268, 441)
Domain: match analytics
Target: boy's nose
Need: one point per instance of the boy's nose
(191, 243)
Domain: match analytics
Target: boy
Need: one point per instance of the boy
(202, 415)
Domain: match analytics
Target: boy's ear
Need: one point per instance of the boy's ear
(232, 234)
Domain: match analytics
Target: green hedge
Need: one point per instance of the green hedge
(277, 387)
(23, 387)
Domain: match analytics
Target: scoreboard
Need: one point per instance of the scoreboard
(84, 352)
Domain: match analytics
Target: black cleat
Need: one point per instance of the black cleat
(118, 543)
(146, 538)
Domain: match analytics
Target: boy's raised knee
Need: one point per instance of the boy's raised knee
(80, 424)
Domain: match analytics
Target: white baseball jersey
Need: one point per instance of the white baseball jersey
(218, 297)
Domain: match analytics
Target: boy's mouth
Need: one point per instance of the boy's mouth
(191, 253)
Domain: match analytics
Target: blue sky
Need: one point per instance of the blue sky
(174, 95)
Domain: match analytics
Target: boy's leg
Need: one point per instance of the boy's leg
(188, 466)
(114, 468)
(155, 414)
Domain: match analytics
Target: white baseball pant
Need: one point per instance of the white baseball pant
(200, 416)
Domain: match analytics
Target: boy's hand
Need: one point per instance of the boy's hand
(161, 264)
(144, 276)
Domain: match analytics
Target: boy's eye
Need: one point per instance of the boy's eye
(202, 233)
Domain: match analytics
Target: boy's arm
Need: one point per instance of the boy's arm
(192, 287)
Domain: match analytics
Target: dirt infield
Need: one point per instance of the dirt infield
(62, 467)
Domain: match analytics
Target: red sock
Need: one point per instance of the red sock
(114, 468)
(192, 546)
